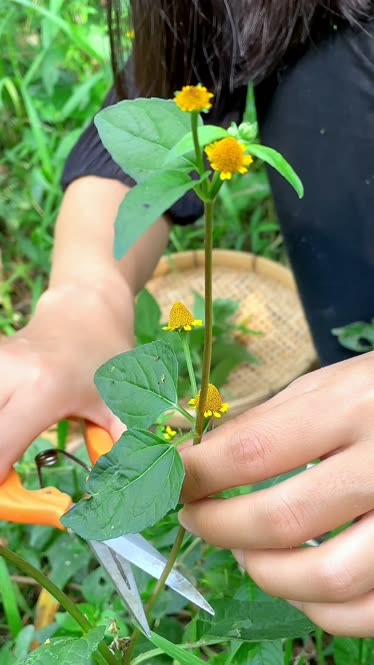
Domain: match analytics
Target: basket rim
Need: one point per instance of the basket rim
(228, 258)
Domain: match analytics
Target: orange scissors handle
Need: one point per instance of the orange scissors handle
(46, 506)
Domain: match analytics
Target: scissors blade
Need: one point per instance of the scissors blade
(120, 572)
(142, 554)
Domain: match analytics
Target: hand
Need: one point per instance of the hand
(326, 415)
(47, 368)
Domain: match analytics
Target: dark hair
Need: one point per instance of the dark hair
(220, 43)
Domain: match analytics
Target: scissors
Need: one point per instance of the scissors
(47, 505)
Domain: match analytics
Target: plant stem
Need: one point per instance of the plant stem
(198, 151)
(182, 439)
(288, 649)
(187, 354)
(319, 647)
(208, 334)
(361, 652)
(60, 596)
(156, 592)
(185, 413)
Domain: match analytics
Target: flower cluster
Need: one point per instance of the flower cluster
(193, 99)
(180, 318)
(228, 157)
(169, 433)
(214, 406)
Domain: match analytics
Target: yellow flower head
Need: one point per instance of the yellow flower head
(130, 34)
(193, 98)
(213, 405)
(180, 318)
(227, 156)
(169, 433)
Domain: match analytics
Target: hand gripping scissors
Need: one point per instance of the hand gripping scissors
(46, 506)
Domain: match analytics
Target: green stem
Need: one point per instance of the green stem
(182, 439)
(195, 136)
(215, 186)
(361, 652)
(187, 355)
(60, 596)
(156, 592)
(288, 652)
(208, 333)
(185, 413)
(319, 647)
(198, 152)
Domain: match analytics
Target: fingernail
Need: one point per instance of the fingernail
(240, 557)
(185, 522)
(295, 603)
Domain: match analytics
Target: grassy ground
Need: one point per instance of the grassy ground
(54, 74)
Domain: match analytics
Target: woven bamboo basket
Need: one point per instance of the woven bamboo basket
(269, 301)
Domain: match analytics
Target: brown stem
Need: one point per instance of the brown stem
(208, 323)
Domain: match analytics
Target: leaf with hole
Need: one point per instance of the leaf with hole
(140, 385)
(125, 488)
(270, 619)
(145, 203)
(67, 650)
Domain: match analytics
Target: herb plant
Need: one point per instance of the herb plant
(166, 148)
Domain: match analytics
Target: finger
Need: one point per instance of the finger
(306, 506)
(339, 570)
(353, 619)
(25, 416)
(259, 445)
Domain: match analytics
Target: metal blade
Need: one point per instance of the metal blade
(120, 572)
(142, 554)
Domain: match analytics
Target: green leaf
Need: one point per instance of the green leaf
(9, 600)
(226, 357)
(271, 619)
(67, 650)
(207, 134)
(177, 653)
(139, 133)
(358, 336)
(140, 385)
(125, 488)
(67, 556)
(224, 310)
(275, 159)
(346, 651)
(267, 653)
(147, 318)
(199, 306)
(145, 203)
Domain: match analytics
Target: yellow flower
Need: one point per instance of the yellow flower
(169, 433)
(227, 156)
(130, 34)
(193, 98)
(180, 318)
(213, 405)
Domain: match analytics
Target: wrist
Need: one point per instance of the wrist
(106, 295)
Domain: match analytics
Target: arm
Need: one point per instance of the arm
(84, 318)
(86, 220)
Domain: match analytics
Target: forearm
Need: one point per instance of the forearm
(83, 251)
